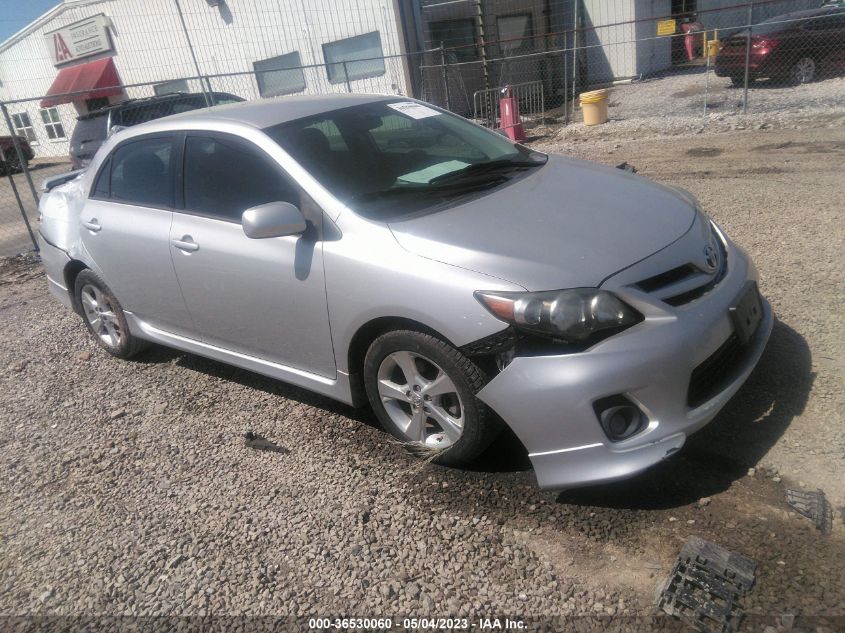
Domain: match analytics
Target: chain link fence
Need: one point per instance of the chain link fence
(668, 62)
(686, 61)
(48, 137)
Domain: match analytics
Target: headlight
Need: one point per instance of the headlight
(572, 315)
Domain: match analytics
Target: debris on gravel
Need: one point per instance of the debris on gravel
(259, 443)
(813, 505)
(706, 585)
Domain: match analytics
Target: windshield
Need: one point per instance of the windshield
(391, 158)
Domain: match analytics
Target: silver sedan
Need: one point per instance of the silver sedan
(380, 250)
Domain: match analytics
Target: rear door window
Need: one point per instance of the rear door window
(142, 172)
(102, 186)
(224, 176)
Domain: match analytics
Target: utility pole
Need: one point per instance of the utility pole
(203, 81)
(484, 63)
(747, 58)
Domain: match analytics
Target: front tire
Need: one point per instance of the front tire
(423, 393)
(104, 316)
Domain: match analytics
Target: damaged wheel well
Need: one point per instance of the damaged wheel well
(361, 342)
(71, 272)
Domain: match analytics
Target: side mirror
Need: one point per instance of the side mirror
(274, 219)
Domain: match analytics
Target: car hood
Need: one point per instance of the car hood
(568, 224)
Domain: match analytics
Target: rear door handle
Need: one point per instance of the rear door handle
(92, 225)
(186, 244)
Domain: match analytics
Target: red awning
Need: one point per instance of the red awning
(91, 80)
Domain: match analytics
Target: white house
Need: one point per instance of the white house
(101, 49)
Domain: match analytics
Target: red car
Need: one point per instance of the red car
(9, 161)
(795, 48)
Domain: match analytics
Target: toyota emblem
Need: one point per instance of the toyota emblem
(711, 258)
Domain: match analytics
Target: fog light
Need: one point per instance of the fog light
(619, 418)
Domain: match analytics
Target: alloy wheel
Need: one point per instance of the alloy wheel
(804, 70)
(100, 315)
(421, 399)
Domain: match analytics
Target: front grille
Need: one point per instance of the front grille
(652, 284)
(718, 369)
(662, 284)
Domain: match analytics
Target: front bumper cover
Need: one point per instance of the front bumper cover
(548, 400)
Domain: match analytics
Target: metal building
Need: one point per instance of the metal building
(100, 49)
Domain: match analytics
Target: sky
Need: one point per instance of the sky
(16, 14)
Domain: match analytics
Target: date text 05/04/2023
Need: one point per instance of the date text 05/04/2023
(417, 624)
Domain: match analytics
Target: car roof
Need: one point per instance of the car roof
(267, 112)
(806, 13)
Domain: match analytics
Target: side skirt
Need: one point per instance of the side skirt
(335, 388)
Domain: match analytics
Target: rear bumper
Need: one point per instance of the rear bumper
(54, 261)
(548, 400)
(758, 66)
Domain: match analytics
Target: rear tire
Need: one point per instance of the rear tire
(423, 392)
(803, 71)
(104, 317)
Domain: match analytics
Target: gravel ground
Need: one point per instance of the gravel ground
(128, 488)
(674, 105)
(686, 93)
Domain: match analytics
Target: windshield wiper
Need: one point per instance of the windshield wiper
(488, 166)
(427, 190)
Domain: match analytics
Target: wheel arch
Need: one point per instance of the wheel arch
(364, 337)
(71, 272)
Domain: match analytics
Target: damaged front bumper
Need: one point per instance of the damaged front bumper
(548, 401)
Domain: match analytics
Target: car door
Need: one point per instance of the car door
(125, 227)
(260, 297)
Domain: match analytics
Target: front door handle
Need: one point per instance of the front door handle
(186, 244)
(92, 225)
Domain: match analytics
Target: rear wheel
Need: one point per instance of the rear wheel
(803, 71)
(739, 81)
(423, 392)
(104, 317)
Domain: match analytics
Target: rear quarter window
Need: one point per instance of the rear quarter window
(142, 172)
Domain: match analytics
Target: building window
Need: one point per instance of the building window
(23, 126)
(458, 35)
(515, 33)
(96, 103)
(168, 87)
(362, 54)
(280, 75)
(52, 123)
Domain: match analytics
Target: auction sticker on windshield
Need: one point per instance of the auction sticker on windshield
(413, 110)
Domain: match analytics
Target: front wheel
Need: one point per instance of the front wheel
(423, 392)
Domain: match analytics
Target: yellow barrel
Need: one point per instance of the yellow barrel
(594, 106)
(713, 48)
